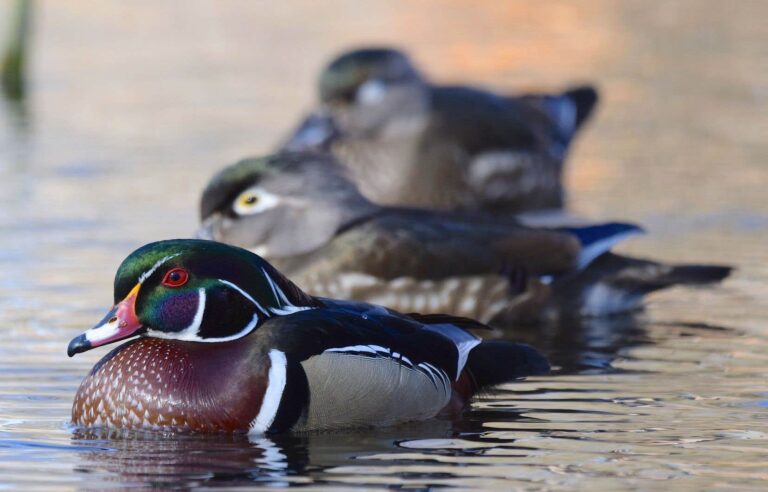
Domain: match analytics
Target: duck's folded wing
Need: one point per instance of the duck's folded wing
(513, 150)
(409, 243)
(363, 329)
(358, 368)
(480, 121)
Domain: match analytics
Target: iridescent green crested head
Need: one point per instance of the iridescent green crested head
(238, 287)
(194, 290)
(343, 78)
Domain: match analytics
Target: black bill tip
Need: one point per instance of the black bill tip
(78, 344)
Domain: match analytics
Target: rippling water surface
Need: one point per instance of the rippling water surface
(134, 104)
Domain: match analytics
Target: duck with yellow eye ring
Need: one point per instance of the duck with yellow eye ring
(301, 212)
(254, 201)
(279, 218)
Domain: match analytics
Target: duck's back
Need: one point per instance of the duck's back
(480, 121)
(472, 150)
(507, 150)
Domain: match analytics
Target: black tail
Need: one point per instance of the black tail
(693, 275)
(615, 284)
(499, 361)
(643, 276)
(585, 99)
(567, 110)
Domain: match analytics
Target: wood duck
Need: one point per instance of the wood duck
(220, 341)
(301, 212)
(407, 142)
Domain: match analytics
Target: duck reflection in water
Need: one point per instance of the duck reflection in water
(156, 457)
(140, 458)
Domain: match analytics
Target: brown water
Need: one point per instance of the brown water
(134, 104)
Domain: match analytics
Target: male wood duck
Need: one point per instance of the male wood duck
(410, 143)
(222, 342)
(301, 212)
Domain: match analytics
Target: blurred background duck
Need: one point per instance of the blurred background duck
(302, 212)
(228, 344)
(407, 142)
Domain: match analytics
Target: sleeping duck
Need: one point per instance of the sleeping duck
(407, 142)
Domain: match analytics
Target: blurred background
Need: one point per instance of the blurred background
(130, 107)
(182, 88)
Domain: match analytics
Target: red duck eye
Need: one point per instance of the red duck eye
(176, 277)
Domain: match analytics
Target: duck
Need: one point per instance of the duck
(408, 142)
(216, 340)
(303, 212)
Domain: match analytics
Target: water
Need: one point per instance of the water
(135, 104)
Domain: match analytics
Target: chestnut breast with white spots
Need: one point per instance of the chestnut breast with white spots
(174, 385)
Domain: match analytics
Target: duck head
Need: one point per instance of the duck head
(192, 290)
(281, 205)
(366, 89)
